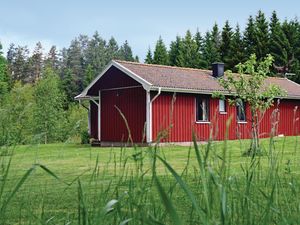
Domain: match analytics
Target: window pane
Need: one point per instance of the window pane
(222, 105)
(241, 114)
(202, 112)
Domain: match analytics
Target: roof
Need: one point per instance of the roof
(180, 79)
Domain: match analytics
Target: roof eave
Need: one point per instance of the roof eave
(208, 92)
(146, 84)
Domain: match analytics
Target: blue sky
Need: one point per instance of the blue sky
(55, 22)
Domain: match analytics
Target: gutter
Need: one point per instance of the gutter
(155, 97)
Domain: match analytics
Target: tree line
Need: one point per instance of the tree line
(76, 65)
(261, 36)
(37, 90)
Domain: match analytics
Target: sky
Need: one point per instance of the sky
(57, 22)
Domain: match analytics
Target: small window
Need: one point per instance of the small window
(222, 105)
(241, 112)
(202, 109)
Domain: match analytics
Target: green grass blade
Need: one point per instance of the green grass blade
(4, 178)
(17, 187)
(167, 203)
(183, 185)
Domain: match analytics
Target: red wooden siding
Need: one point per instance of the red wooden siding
(113, 78)
(132, 103)
(94, 120)
(177, 125)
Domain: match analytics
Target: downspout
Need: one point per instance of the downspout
(158, 93)
(149, 114)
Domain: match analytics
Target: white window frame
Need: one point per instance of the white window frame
(196, 109)
(222, 111)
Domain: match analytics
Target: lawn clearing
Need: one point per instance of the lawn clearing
(249, 186)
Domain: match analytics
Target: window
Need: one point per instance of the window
(202, 109)
(241, 113)
(222, 106)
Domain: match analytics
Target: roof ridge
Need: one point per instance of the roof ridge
(162, 66)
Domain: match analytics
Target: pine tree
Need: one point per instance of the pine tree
(149, 58)
(226, 44)
(20, 65)
(126, 52)
(160, 53)
(249, 37)
(52, 59)
(261, 35)
(36, 63)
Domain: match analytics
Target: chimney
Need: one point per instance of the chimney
(218, 69)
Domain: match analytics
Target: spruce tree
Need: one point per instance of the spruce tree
(126, 52)
(226, 44)
(278, 43)
(112, 50)
(237, 53)
(75, 63)
(291, 30)
(188, 52)
(211, 49)
(95, 52)
(200, 42)
(261, 35)
(136, 58)
(174, 51)
(149, 58)
(216, 37)
(160, 53)
(89, 75)
(249, 38)
(69, 85)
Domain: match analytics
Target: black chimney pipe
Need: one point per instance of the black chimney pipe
(218, 69)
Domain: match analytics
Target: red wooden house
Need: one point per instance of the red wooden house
(171, 102)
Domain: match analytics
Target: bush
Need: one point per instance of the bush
(85, 137)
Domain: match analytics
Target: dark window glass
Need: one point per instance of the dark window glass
(241, 111)
(202, 109)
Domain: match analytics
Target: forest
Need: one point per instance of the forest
(37, 89)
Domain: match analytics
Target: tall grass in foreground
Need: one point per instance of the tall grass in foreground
(141, 186)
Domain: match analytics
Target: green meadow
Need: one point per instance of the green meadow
(201, 184)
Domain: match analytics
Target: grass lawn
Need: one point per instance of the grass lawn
(57, 197)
